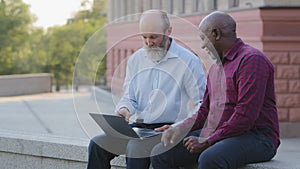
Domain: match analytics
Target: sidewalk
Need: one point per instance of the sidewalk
(49, 113)
(54, 114)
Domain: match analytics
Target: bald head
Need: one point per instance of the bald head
(219, 20)
(154, 21)
(218, 32)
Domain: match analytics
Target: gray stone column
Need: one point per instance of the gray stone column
(117, 8)
(178, 7)
(206, 5)
(131, 10)
(167, 6)
(195, 6)
(225, 4)
(137, 8)
(147, 4)
(188, 7)
(123, 9)
(156, 4)
(110, 10)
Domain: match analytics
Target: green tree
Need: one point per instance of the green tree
(15, 30)
(64, 44)
(37, 56)
(28, 49)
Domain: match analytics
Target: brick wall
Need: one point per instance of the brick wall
(120, 46)
(287, 85)
(281, 39)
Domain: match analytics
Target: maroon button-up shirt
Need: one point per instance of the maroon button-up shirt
(239, 97)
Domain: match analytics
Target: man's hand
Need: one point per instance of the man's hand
(163, 128)
(195, 144)
(124, 112)
(172, 134)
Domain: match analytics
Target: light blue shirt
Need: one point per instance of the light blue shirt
(159, 92)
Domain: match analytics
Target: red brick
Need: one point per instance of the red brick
(288, 71)
(283, 114)
(295, 58)
(294, 86)
(294, 115)
(288, 100)
(278, 57)
(281, 86)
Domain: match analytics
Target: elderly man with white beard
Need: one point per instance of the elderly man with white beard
(162, 79)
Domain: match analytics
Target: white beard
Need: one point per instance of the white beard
(155, 53)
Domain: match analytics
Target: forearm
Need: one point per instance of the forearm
(126, 103)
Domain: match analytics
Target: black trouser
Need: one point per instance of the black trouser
(103, 148)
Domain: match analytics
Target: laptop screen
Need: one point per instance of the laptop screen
(116, 126)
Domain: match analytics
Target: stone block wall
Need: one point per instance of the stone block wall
(27, 151)
(22, 84)
(281, 41)
(287, 85)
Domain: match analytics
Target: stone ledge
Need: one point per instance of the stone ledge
(289, 129)
(22, 84)
(21, 151)
(287, 157)
(119, 163)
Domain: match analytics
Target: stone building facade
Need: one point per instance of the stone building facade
(272, 26)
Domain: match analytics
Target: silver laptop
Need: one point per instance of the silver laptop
(116, 126)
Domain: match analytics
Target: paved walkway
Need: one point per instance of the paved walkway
(50, 113)
(58, 114)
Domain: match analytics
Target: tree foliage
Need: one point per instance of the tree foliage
(65, 43)
(28, 49)
(15, 29)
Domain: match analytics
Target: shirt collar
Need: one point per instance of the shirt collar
(171, 53)
(232, 53)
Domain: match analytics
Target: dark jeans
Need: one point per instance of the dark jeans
(102, 149)
(229, 153)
